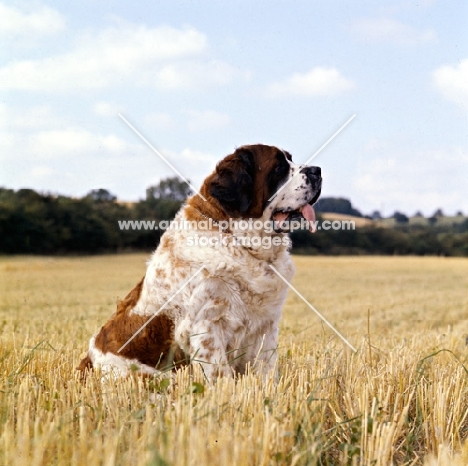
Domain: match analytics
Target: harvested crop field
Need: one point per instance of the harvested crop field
(402, 398)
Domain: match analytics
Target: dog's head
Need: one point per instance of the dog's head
(261, 181)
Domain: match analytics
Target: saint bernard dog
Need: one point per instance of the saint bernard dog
(215, 302)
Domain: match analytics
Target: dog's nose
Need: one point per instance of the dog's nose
(312, 171)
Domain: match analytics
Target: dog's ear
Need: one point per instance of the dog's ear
(233, 182)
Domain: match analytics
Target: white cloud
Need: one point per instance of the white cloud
(75, 141)
(452, 82)
(7, 143)
(107, 109)
(41, 171)
(42, 21)
(409, 181)
(189, 74)
(206, 120)
(68, 159)
(390, 30)
(71, 159)
(97, 61)
(194, 164)
(39, 116)
(197, 156)
(163, 57)
(29, 132)
(318, 82)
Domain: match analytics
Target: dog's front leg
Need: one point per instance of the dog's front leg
(207, 347)
(211, 326)
(261, 348)
(267, 350)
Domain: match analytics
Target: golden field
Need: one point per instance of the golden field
(401, 399)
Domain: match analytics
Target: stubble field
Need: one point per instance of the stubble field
(401, 399)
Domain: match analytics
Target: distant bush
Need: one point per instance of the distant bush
(336, 205)
(400, 218)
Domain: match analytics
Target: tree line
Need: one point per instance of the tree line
(42, 223)
(398, 240)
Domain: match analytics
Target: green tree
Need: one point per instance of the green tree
(101, 195)
(337, 205)
(170, 189)
(400, 218)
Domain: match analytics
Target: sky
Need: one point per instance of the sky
(199, 78)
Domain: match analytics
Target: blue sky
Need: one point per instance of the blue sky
(199, 78)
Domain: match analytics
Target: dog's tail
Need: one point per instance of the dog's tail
(85, 365)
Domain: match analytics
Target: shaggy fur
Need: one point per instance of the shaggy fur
(227, 316)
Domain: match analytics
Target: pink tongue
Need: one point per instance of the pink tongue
(308, 213)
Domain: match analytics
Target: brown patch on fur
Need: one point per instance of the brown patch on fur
(160, 273)
(167, 242)
(220, 302)
(153, 346)
(265, 159)
(167, 245)
(208, 344)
